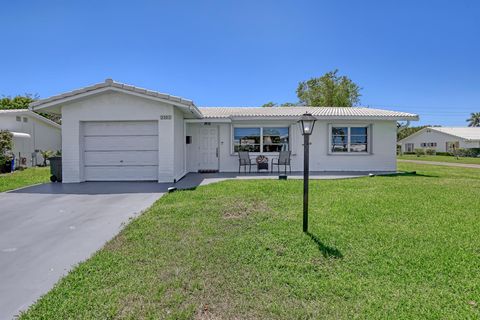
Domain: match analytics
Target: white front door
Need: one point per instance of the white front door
(208, 148)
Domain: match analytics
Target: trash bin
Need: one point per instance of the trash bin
(55, 169)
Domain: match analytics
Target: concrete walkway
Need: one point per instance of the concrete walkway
(438, 163)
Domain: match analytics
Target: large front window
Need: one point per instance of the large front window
(262, 139)
(349, 139)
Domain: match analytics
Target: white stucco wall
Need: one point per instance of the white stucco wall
(179, 145)
(381, 158)
(427, 136)
(114, 106)
(43, 135)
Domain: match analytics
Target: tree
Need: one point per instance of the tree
(269, 105)
(6, 146)
(22, 102)
(46, 154)
(474, 120)
(330, 90)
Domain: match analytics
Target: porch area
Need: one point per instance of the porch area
(192, 180)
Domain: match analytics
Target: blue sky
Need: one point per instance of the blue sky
(416, 56)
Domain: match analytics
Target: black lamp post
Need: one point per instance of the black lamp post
(307, 122)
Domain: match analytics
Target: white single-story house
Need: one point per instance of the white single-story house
(113, 132)
(442, 139)
(31, 133)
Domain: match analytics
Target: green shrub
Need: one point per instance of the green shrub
(6, 147)
(430, 152)
(419, 152)
(473, 152)
(443, 154)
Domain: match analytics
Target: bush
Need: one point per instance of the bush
(473, 152)
(444, 154)
(409, 153)
(6, 146)
(419, 152)
(430, 152)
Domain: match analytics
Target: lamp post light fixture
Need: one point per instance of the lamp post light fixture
(307, 122)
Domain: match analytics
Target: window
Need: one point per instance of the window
(428, 144)
(275, 139)
(25, 119)
(246, 139)
(349, 139)
(409, 147)
(18, 118)
(263, 139)
(452, 146)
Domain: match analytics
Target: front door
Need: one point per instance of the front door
(208, 148)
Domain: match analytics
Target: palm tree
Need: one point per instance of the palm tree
(474, 120)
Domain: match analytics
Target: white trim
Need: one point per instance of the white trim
(369, 127)
(203, 120)
(232, 137)
(48, 104)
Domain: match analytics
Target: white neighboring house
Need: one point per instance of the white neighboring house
(113, 132)
(31, 132)
(442, 139)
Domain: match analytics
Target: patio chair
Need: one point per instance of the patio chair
(244, 161)
(282, 160)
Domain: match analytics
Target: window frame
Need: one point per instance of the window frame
(261, 127)
(369, 128)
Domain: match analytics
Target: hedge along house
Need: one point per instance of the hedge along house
(116, 132)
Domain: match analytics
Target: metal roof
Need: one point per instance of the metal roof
(32, 114)
(353, 113)
(110, 84)
(467, 133)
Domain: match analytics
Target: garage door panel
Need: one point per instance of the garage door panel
(100, 158)
(120, 150)
(121, 143)
(121, 128)
(126, 173)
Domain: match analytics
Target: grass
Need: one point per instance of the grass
(452, 159)
(397, 247)
(24, 178)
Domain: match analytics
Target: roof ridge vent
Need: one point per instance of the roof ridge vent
(109, 81)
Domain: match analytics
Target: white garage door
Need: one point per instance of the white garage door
(121, 150)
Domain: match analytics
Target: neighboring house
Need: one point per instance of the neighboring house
(442, 139)
(112, 131)
(31, 133)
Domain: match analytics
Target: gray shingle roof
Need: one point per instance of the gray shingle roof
(293, 112)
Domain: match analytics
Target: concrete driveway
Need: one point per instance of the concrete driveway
(45, 230)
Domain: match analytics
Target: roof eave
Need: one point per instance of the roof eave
(295, 118)
(96, 89)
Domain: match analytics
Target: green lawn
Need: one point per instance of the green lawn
(441, 159)
(398, 247)
(27, 177)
